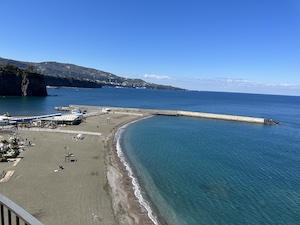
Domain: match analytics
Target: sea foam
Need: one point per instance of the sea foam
(135, 183)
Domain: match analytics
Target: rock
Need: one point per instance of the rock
(21, 82)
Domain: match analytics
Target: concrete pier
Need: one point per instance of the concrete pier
(104, 109)
(221, 117)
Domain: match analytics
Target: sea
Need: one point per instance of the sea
(200, 171)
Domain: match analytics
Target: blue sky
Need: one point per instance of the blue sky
(248, 46)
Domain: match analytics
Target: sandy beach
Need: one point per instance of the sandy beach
(93, 188)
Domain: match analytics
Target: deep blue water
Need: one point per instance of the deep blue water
(230, 103)
(199, 171)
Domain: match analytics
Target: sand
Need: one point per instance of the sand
(92, 189)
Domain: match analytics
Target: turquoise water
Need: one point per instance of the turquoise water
(200, 171)
(197, 171)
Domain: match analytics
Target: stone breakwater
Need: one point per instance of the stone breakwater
(246, 119)
(104, 109)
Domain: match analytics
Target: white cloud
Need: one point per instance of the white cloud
(157, 77)
(226, 84)
(237, 85)
(245, 83)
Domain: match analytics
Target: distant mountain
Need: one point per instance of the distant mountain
(65, 70)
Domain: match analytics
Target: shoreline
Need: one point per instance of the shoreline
(131, 208)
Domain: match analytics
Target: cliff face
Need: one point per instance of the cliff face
(21, 82)
(70, 82)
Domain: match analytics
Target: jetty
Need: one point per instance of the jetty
(97, 110)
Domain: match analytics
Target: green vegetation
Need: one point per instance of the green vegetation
(16, 81)
(82, 76)
(9, 149)
(12, 69)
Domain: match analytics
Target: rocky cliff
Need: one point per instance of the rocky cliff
(70, 82)
(21, 82)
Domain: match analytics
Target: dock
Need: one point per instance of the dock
(97, 110)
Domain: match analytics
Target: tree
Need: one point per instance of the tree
(30, 68)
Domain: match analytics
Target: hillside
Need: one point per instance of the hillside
(88, 74)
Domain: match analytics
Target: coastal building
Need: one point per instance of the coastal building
(73, 118)
(4, 120)
(68, 119)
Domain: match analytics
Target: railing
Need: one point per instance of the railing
(11, 213)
